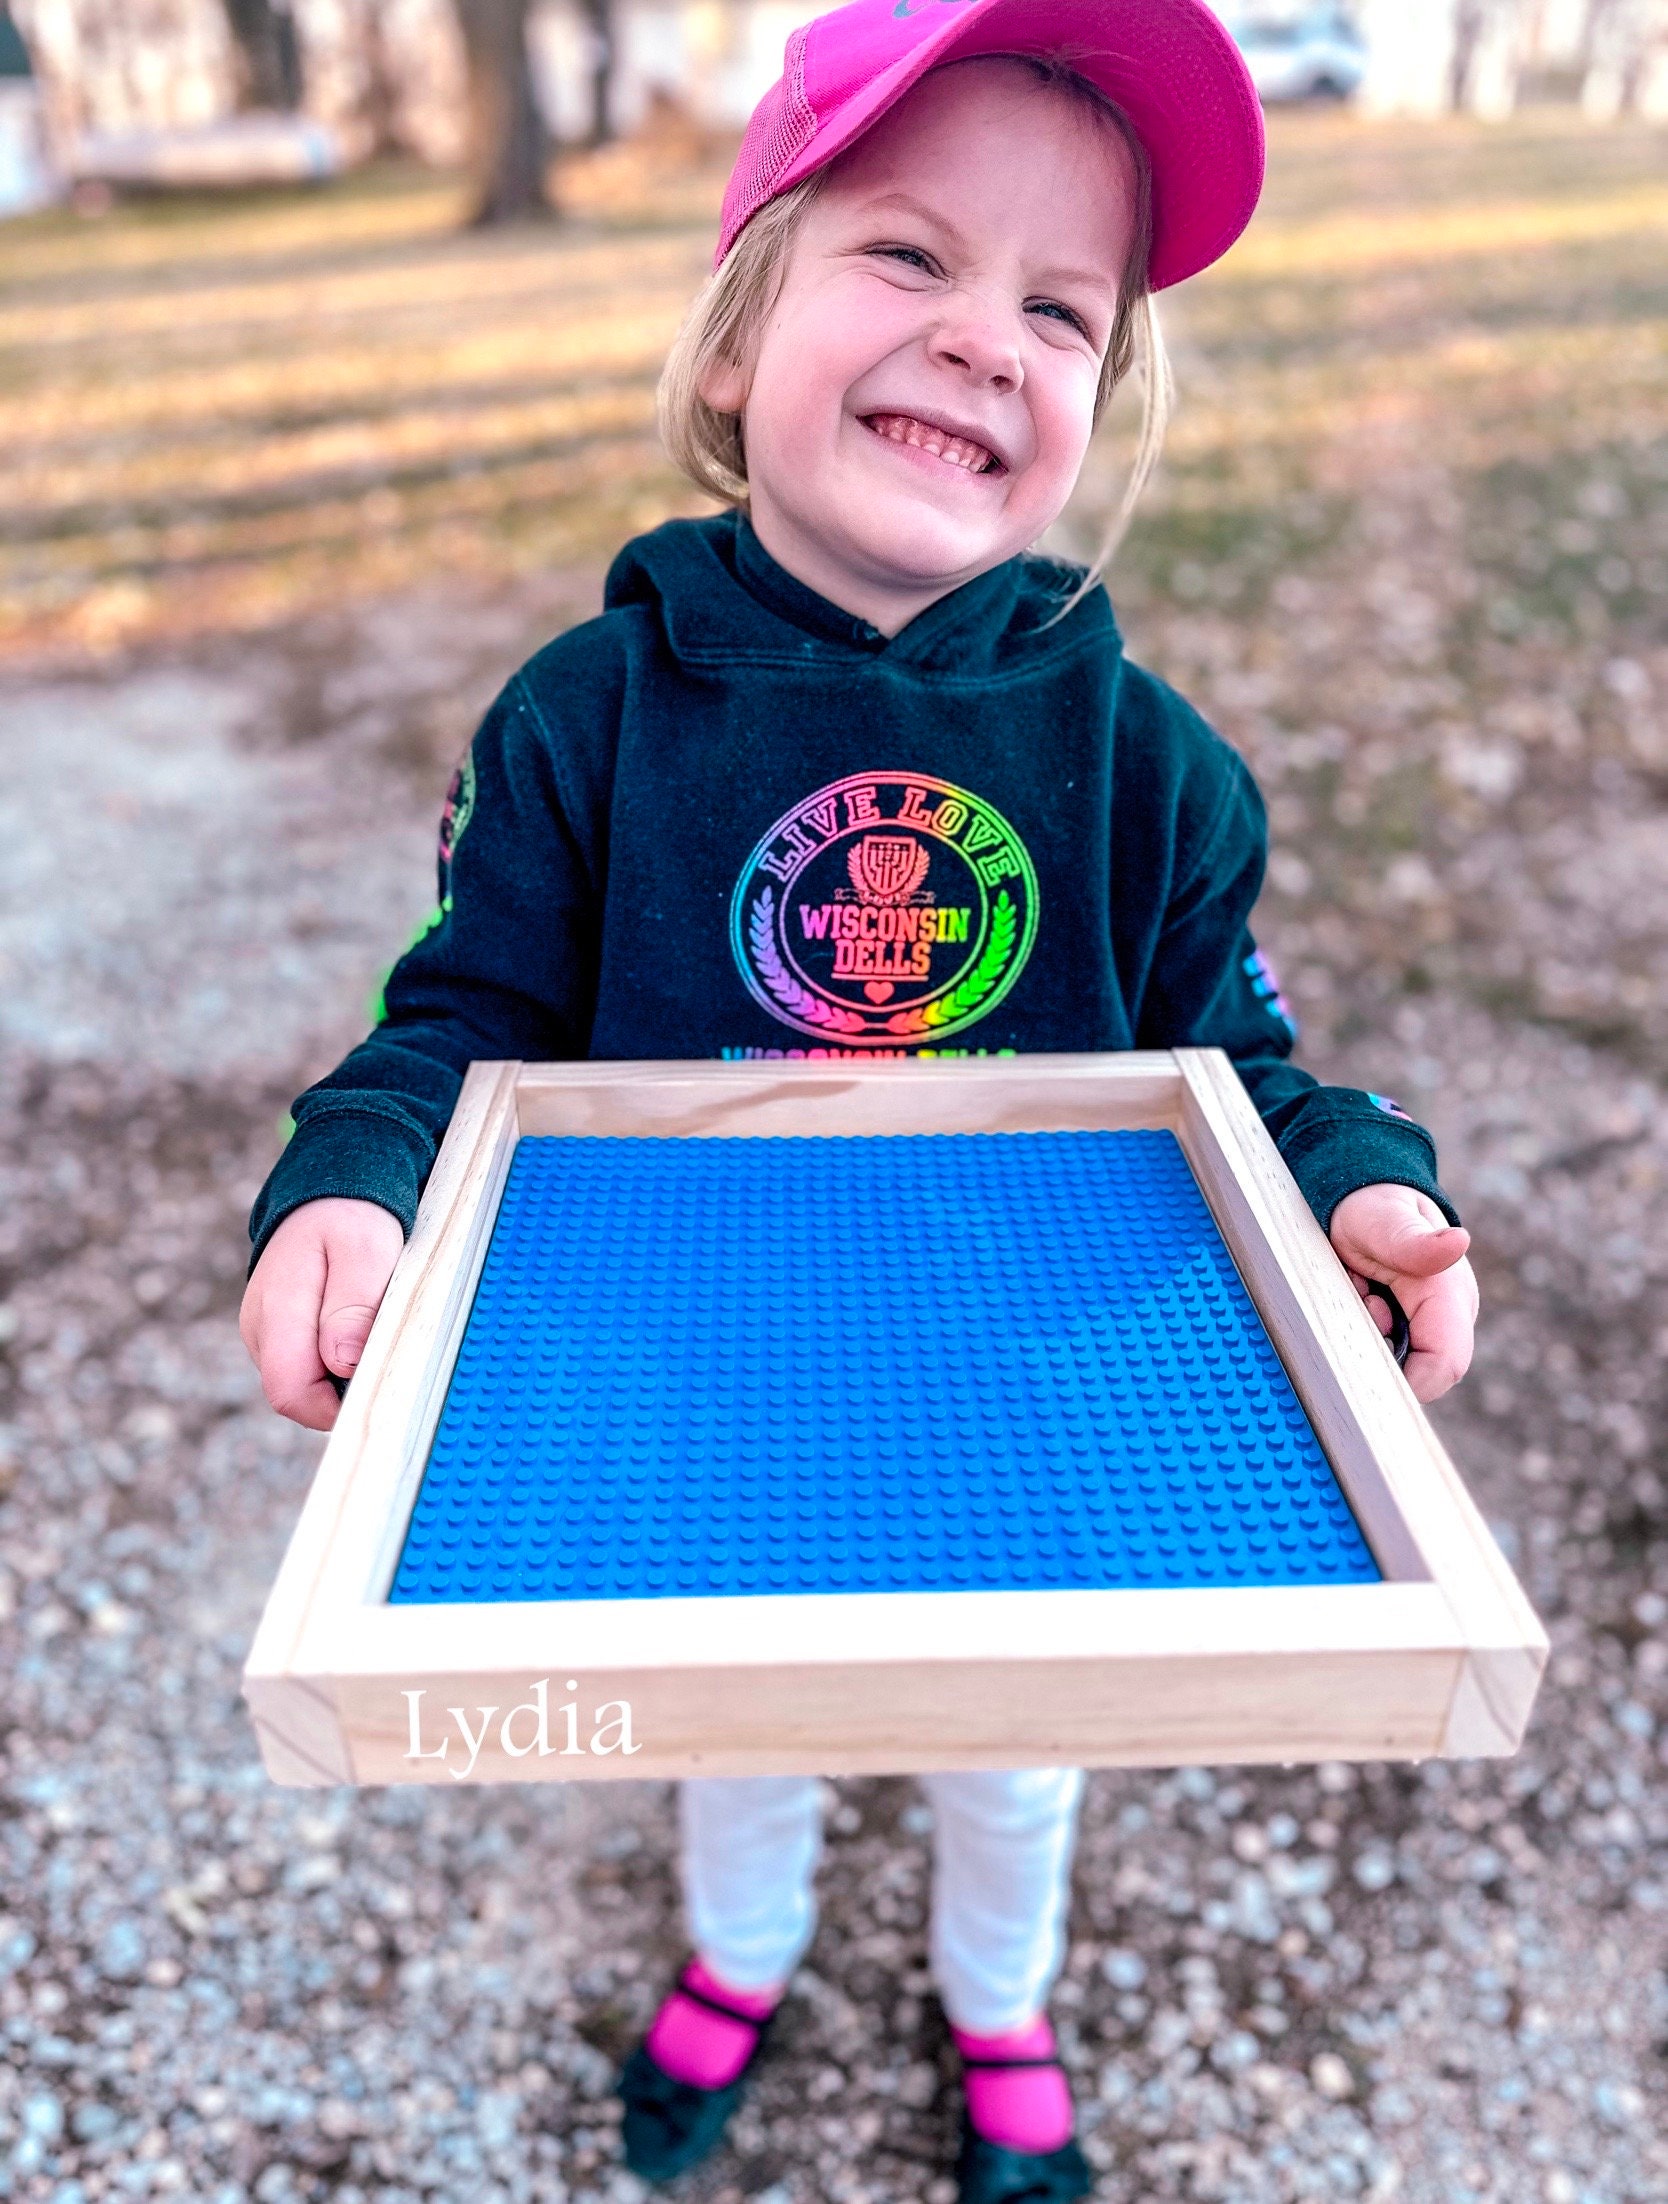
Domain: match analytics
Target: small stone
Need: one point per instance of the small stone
(121, 1952)
(1618, 2104)
(17, 1946)
(1235, 2052)
(918, 2085)
(152, 1424)
(1125, 1970)
(1373, 1870)
(1254, 1916)
(1331, 2076)
(43, 2117)
(1114, 2085)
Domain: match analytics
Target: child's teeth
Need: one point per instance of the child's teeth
(955, 451)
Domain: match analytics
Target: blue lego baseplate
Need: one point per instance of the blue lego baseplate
(936, 1362)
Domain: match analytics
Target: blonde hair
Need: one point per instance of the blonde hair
(722, 327)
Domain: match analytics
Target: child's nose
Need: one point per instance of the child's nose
(983, 345)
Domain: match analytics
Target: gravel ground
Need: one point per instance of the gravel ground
(1442, 1983)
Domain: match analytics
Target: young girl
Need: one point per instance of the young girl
(847, 770)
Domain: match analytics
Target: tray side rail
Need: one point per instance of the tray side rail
(353, 1521)
(1418, 1517)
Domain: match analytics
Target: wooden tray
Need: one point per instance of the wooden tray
(1443, 1657)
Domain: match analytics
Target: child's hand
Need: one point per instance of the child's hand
(308, 1308)
(1401, 1238)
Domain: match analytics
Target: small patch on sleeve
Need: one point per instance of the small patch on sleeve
(1265, 985)
(456, 814)
(1390, 1106)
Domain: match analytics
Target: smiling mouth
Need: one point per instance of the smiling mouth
(954, 451)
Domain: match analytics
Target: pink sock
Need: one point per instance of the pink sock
(694, 2044)
(1024, 2108)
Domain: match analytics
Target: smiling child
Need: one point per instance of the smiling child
(849, 770)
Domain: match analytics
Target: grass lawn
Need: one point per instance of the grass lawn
(225, 413)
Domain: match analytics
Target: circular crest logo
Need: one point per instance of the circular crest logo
(886, 909)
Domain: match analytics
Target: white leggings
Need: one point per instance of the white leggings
(1002, 1847)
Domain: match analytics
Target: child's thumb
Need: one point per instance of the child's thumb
(352, 1295)
(1420, 1248)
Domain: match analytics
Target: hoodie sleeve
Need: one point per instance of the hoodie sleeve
(1211, 987)
(504, 967)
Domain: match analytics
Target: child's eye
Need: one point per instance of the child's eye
(911, 255)
(1054, 311)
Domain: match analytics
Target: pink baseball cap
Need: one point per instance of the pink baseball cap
(1169, 64)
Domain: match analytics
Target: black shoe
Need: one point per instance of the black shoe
(669, 2125)
(990, 2173)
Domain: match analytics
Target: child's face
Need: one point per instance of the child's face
(924, 390)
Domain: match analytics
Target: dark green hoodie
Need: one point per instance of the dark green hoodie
(728, 819)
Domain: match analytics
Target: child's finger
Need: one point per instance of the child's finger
(1377, 1309)
(293, 1377)
(360, 1268)
(1442, 1327)
(315, 1406)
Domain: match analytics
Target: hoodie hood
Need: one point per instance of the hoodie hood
(721, 599)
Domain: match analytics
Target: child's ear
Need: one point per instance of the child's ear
(724, 386)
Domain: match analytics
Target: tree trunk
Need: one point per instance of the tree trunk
(377, 104)
(509, 148)
(599, 21)
(268, 52)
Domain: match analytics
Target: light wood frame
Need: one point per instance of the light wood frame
(1442, 1657)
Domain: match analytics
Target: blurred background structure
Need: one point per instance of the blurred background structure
(430, 76)
(295, 472)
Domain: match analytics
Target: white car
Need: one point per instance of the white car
(1316, 56)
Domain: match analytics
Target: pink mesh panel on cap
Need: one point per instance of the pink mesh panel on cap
(780, 128)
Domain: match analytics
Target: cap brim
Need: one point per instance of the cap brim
(1169, 64)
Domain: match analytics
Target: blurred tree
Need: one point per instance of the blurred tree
(268, 52)
(509, 147)
(599, 21)
(378, 103)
